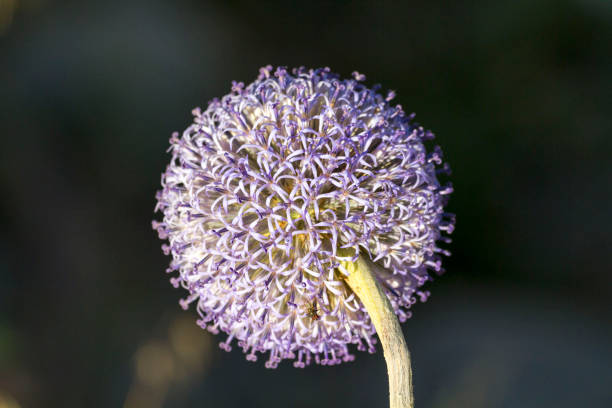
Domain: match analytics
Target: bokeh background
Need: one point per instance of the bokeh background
(518, 92)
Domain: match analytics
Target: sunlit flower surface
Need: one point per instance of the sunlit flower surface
(275, 185)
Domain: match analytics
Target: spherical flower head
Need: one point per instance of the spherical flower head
(275, 187)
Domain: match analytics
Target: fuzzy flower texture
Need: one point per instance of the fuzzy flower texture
(276, 186)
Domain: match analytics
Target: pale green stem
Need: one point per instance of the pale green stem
(363, 283)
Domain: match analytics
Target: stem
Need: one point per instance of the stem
(363, 283)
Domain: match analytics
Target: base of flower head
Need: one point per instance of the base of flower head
(329, 354)
(302, 358)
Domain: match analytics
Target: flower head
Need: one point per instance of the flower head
(279, 183)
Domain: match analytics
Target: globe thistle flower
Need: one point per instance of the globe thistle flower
(276, 188)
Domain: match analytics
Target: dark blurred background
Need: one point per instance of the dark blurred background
(518, 92)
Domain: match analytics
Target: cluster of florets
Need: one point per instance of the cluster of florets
(277, 184)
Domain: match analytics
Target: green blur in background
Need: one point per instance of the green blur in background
(519, 94)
